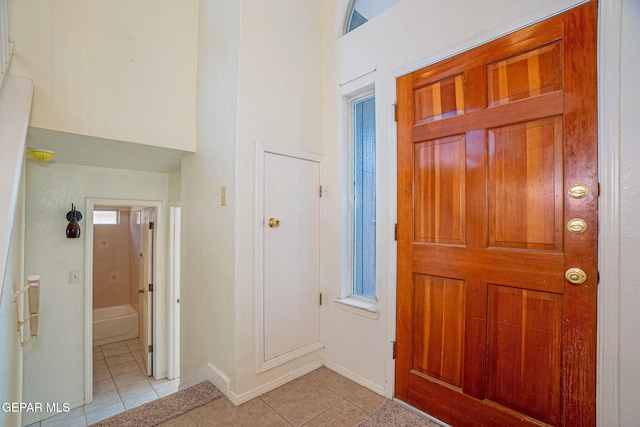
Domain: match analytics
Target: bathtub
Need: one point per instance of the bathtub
(117, 323)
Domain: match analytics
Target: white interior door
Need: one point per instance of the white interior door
(291, 255)
(146, 296)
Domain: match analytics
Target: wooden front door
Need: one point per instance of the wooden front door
(497, 216)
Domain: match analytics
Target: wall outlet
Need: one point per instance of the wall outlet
(75, 276)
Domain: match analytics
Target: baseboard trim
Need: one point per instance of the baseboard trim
(377, 388)
(210, 373)
(238, 399)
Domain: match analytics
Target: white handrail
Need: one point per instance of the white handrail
(6, 47)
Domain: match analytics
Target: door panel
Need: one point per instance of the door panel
(489, 330)
(146, 296)
(291, 255)
(440, 196)
(439, 321)
(525, 185)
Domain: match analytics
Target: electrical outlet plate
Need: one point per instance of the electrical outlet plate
(75, 276)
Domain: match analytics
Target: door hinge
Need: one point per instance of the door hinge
(150, 287)
(395, 232)
(151, 225)
(321, 191)
(320, 300)
(395, 111)
(598, 189)
(150, 348)
(393, 349)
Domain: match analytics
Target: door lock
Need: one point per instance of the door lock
(576, 276)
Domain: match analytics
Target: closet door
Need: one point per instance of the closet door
(289, 295)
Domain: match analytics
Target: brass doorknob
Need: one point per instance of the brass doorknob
(576, 276)
(273, 222)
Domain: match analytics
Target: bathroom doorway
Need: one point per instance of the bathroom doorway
(124, 286)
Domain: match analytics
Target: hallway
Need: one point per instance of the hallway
(119, 383)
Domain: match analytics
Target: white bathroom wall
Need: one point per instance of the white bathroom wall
(54, 363)
(115, 69)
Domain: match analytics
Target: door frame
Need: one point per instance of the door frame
(261, 150)
(158, 297)
(175, 220)
(609, 17)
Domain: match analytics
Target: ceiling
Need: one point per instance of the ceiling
(101, 152)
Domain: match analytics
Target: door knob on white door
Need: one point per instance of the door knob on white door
(273, 222)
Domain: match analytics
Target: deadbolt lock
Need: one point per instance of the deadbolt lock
(577, 225)
(578, 191)
(273, 222)
(576, 276)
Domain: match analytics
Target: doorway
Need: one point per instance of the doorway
(144, 260)
(497, 230)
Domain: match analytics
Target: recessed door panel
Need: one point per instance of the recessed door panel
(291, 232)
(525, 185)
(440, 190)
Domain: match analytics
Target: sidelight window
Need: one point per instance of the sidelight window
(364, 198)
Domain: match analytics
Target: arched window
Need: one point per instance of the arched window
(363, 10)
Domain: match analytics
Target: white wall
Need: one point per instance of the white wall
(15, 105)
(629, 217)
(116, 69)
(11, 353)
(207, 293)
(280, 104)
(256, 83)
(54, 363)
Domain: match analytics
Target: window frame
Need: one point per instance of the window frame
(116, 210)
(352, 197)
(348, 301)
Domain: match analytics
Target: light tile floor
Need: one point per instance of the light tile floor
(320, 398)
(119, 383)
